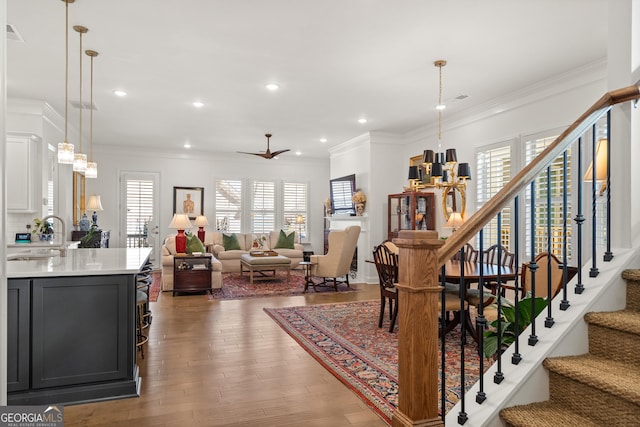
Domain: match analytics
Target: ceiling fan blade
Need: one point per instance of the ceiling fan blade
(275, 153)
(253, 154)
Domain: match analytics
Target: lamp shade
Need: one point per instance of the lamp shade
(464, 170)
(413, 172)
(455, 220)
(180, 222)
(428, 156)
(300, 219)
(601, 163)
(436, 169)
(201, 221)
(451, 155)
(94, 203)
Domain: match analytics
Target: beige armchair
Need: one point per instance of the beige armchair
(168, 251)
(337, 261)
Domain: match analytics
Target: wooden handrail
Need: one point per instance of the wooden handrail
(478, 220)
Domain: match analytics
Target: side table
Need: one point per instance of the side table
(306, 265)
(191, 273)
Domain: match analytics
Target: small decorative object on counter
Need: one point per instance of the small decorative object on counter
(44, 230)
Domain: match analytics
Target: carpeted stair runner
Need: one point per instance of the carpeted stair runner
(601, 387)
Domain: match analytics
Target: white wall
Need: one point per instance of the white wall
(198, 169)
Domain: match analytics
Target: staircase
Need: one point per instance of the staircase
(601, 387)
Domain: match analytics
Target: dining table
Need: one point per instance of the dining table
(469, 272)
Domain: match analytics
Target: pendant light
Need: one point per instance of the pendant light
(92, 167)
(65, 149)
(80, 159)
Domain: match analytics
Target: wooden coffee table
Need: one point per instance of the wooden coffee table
(264, 264)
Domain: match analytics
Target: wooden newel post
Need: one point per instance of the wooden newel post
(418, 298)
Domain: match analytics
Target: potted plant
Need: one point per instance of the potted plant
(44, 229)
(91, 239)
(508, 323)
(359, 200)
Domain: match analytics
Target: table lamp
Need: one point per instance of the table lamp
(180, 222)
(455, 221)
(94, 205)
(201, 222)
(300, 222)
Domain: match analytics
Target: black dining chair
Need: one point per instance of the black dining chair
(386, 262)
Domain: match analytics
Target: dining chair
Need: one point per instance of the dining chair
(470, 254)
(546, 262)
(495, 256)
(386, 261)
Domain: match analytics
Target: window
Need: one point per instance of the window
(494, 172)
(548, 215)
(295, 206)
(270, 205)
(139, 199)
(263, 200)
(229, 205)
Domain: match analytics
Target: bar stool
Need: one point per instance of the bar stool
(141, 300)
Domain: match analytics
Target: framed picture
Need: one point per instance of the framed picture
(188, 200)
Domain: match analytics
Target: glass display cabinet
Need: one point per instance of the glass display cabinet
(411, 211)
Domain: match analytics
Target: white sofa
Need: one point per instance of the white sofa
(231, 259)
(168, 251)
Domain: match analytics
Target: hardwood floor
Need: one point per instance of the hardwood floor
(227, 363)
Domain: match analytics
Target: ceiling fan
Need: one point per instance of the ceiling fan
(268, 154)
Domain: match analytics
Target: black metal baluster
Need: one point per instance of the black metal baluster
(462, 415)
(481, 323)
(499, 375)
(516, 357)
(533, 266)
(564, 304)
(608, 255)
(548, 322)
(579, 219)
(593, 272)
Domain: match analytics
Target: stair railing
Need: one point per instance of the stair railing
(423, 256)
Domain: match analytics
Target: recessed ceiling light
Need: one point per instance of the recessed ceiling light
(362, 120)
(198, 104)
(119, 92)
(441, 107)
(323, 140)
(298, 153)
(187, 145)
(272, 86)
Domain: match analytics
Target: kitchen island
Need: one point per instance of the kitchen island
(72, 327)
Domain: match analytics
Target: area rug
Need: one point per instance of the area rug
(235, 286)
(154, 289)
(346, 340)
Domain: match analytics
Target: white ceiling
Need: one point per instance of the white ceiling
(335, 60)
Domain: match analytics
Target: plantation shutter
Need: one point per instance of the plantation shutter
(263, 214)
(229, 205)
(295, 205)
(139, 211)
(494, 172)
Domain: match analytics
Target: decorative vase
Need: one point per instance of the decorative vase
(359, 208)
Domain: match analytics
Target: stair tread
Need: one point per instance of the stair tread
(617, 378)
(623, 320)
(544, 414)
(632, 274)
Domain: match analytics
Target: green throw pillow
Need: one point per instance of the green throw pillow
(284, 241)
(194, 244)
(230, 242)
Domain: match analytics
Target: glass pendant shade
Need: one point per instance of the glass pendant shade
(92, 170)
(79, 162)
(65, 153)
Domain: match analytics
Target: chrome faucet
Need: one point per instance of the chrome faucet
(63, 245)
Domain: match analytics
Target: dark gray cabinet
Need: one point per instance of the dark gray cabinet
(18, 335)
(80, 339)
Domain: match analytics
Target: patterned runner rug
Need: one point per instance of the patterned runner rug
(346, 340)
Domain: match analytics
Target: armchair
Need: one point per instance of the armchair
(337, 261)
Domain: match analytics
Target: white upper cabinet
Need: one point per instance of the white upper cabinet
(22, 173)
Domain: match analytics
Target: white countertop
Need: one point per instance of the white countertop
(82, 262)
